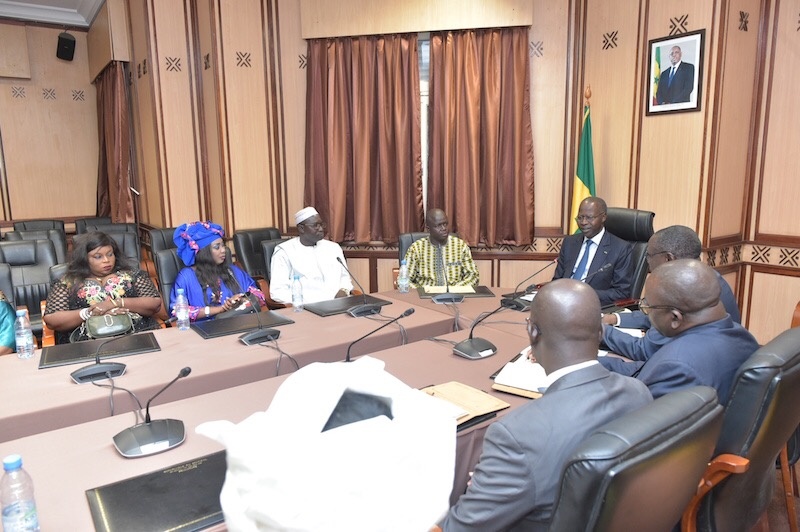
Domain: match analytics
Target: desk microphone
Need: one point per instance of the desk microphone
(604, 267)
(99, 370)
(260, 334)
(476, 348)
(509, 300)
(152, 437)
(364, 309)
(408, 312)
(447, 297)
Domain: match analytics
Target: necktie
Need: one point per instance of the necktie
(583, 265)
(671, 74)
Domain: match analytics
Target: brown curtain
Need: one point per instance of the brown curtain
(481, 149)
(114, 169)
(363, 158)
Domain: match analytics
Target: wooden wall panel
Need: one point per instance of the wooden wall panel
(780, 186)
(772, 301)
(108, 38)
(672, 159)
(612, 45)
(49, 132)
(14, 61)
(322, 18)
(549, 37)
(512, 272)
(729, 178)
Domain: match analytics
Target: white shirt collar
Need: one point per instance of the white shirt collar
(598, 237)
(557, 374)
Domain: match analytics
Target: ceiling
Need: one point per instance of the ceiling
(70, 13)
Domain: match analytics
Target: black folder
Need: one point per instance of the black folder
(180, 498)
(84, 352)
(244, 322)
(341, 305)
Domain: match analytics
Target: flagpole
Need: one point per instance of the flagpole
(583, 183)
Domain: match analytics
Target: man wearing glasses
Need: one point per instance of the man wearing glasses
(441, 259)
(671, 243)
(313, 259)
(707, 346)
(583, 255)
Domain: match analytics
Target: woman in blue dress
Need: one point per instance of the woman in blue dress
(211, 283)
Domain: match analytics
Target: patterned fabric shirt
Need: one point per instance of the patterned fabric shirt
(428, 262)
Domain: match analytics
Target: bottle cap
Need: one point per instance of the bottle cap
(12, 462)
(21, 312)
(403, 262)
(180, 291)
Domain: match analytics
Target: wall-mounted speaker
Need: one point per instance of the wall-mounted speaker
(66, 46)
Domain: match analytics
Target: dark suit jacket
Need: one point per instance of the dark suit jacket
(706, 355)
(610, 285)
(680, 89)
(516, 481)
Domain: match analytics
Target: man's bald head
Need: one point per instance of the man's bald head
(564, 324)
(688, 291)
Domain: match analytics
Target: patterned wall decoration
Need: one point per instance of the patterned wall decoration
(206, 61)
(303, 60)
(18, 92)
(78, 96)
(48, 94)
(243, 59)
(536, 48)
(610, 40)
(678, 25)
(743, 16)
(173, 64)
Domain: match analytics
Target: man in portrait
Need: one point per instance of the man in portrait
(677, 81)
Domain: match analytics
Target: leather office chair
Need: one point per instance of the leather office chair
(249, 253)
(40, 225)
(404, 242)
(636, 227)
(161, 239)
(129, 245)
(638, 472)
(5, 283)
(762, 412)
(29, 262)
(168, 264)
(112, 228)
(54, 235)
(81, 223)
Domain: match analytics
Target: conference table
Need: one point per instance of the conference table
(64, 463)
(37, 400)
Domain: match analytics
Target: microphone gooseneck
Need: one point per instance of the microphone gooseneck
(509, 299)
(472, 329)
(365, 308)
(476, 348)
(353, 277)
(602, 268)
(408, 312)
(183, 373)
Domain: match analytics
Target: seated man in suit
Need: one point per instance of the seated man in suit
(584, 254)
(440, 259)
(517, 479)
(672, 243)
(707, 346)
(313, 259)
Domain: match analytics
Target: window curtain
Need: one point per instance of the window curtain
(363, 156)
(114, 170)
(481, 148)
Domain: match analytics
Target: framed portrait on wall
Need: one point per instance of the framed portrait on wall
(675, 73)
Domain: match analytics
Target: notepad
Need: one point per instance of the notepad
(522, 377)
(470, 402)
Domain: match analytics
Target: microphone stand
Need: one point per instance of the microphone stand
(511, 300)
(364, 309)
(260, 334)
(100, 370)
(476, 348)
(152, 437)
(408, 312)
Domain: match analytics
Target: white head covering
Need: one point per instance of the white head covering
(304, 214)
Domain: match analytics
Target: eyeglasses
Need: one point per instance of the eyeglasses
(316, 225)
(645, 308)
(583, 217)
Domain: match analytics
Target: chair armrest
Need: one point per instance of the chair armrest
(263, 285)
(48, 334)
(395, 275)
(720, 468)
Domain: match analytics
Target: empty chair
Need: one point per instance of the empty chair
(161, 239)
(80, 224)
(636, 227)
(55, 236)
(762, 413)
(30, 262)
(247, 245)
(39, 225)
(639, 472)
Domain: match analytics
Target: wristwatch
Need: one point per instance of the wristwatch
(207, 311)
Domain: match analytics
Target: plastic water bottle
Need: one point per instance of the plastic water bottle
(297, 294)
(23, 335)
(182, 310)
(402, 278)
(16, 492)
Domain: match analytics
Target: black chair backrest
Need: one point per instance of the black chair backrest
(161, 239)
(30, 262)
(168, 264)
(762, 413)
(636, 227)
(112, 228)
(81, 223)
(40, 225)
(247, 245)
(58, 271)
(639, 472)
(129, 245)
(5, 283)
(267, 249)
(404, 242)
(54, 235)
